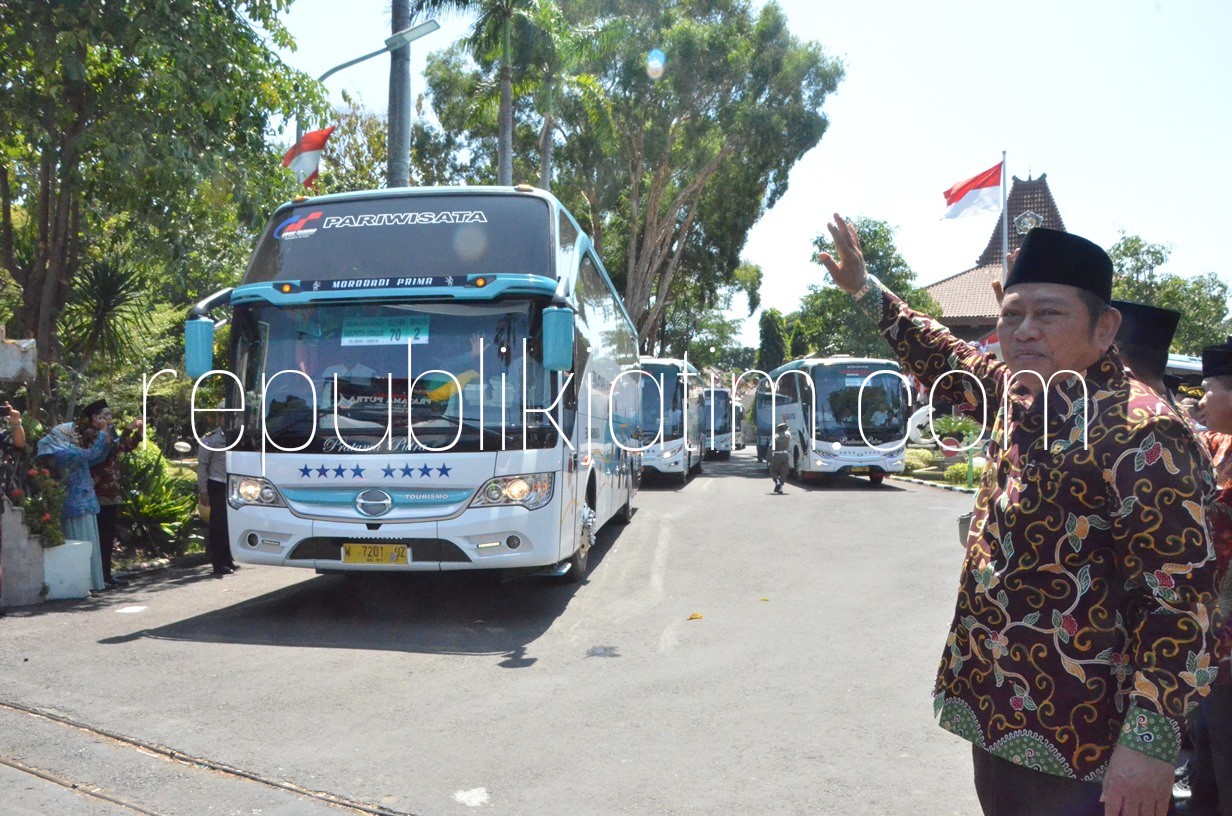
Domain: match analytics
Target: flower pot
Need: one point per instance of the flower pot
(22, 556)
(66, 570)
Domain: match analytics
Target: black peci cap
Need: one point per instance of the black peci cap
(1147, 326)
(1053, 256)
(93, 408)
(1217, 360)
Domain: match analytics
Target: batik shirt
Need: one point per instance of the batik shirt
(1220, 448)
(1083, 614)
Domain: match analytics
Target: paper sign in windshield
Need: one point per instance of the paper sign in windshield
(385, 331)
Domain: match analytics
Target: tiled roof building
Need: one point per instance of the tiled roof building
(968, 305)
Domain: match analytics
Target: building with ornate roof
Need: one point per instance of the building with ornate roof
(968, 306)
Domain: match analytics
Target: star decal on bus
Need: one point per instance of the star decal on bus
(322, 472)
(444, 471)
(425, 471)
(408, 471)
(358, 471)
(305, 471)
(388, 471)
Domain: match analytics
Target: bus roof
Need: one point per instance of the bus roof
(669, 362)
(835, 360)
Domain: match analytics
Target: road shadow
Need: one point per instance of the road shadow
(467, 613)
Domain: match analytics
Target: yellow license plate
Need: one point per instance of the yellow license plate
(374, 554)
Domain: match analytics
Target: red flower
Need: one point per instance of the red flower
(1016, 703)
(32, 472)
(17, 494)
(46, 517)
(44, 472)
(1153, 454)
(1165, 580)
(1069, 625)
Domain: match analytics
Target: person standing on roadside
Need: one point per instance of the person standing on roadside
(1083, 609)
(62, 444)
(212, 497)
(106, 475)
(1210, 769)
(780, 458)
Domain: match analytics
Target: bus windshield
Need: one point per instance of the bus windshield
(420, 236)
(839, 408)
(717, 404)
(296, 353)
(667, 378)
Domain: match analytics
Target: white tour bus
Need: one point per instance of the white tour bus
(430, 379)
(848, 393)
(671, 414)
(718, 428)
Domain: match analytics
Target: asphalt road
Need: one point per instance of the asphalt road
(803, 688)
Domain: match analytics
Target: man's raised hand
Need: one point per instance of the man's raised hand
(848, 271)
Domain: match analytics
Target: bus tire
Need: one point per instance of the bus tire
(795, 466)
(726, 455)
(875, 479)
(580, 560)
(625, 514)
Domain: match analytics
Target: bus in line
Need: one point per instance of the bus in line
(425, 379)
(717, 421)
(671, 397)
(825, 402)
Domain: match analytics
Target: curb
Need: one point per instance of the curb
(950, 487)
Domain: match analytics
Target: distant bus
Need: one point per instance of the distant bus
(826, 401)
(671, 413)
(431, 379)
(718, 427)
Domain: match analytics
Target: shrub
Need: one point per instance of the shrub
(956, 474)
(158, 505)
(34, 489)
(916, 460)
(959, 427)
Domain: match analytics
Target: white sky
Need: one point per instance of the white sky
(1123, 103)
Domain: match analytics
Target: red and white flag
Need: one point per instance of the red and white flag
(304, 157)
(977, 194)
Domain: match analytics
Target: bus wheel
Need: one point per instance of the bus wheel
(625, 514)
(876, 479)
(684, 475)
(726, 455)
(795, 466)
(580, 560)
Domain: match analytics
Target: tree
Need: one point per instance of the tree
(827, 316)
(357, 152)
(124, 108)
(670, 184)
(701, 150)
(772, 348)
(1202, 300)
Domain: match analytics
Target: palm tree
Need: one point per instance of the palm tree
(101, 322)
(493, 26)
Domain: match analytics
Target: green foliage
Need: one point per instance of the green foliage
(127, 109)
(773, 347)
(827, 314)
(956, 474)
(158, 505)
(916, 459)
(959, 427)
(1202, 300)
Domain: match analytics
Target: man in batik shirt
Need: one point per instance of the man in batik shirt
(1081, 637)
(1210, 769)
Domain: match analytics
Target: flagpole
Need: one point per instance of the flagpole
(1005, 224)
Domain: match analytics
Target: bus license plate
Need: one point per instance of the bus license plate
(374, 554)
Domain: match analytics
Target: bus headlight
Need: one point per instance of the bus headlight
(251, 490)
(532, 491)
(668, 454)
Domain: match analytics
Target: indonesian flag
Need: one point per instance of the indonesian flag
(304, 157)
(990, 345)
(977, 194)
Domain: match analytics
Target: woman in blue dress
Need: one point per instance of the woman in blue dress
(61, 444)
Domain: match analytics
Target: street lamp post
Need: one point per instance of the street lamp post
(401, 39)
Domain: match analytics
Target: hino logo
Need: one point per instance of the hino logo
(374, 503)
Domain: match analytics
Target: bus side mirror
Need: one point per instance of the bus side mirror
(558, 338)
(198, 346)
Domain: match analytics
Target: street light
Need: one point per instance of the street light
(395, 41)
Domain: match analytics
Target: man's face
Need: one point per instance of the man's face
(1046, 328)
(102, 419)
(1215, 406)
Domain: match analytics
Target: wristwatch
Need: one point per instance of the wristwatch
(869, 283)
